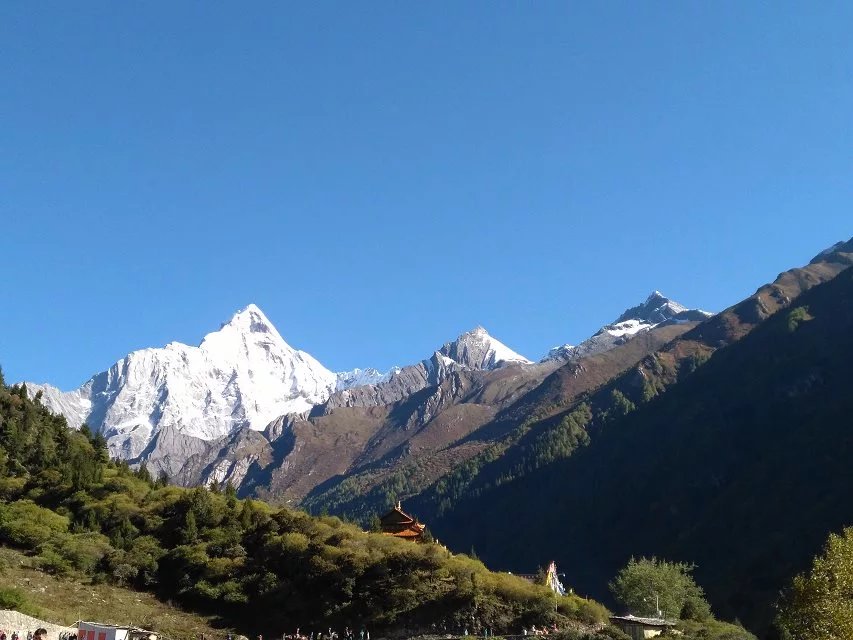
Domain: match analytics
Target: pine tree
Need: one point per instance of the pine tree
(190, 532)
(375, 524)
(230, 495)
(143, 474)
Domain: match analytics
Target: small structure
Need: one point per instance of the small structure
(99, 631)
(641, 628)
(400, 524)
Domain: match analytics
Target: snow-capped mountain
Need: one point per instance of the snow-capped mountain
(561, 352)
(476, 349)
(473, 350)
(360, 377)
(655, 310)
(244, 374)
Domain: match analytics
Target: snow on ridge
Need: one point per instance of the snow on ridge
(244, 374)
(655, 310)
(361, 377)
(477, 349)
(628, 328)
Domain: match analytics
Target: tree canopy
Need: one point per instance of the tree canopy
(261, 569)
(648, 583)
(819, 604)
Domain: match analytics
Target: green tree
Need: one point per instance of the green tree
(819, 604)
(644, 584)
(143, 474)
(190, 532)
(230, 495)
(375, 524)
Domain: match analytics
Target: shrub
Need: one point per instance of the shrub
(12, 598)
(51, 561)
(25, 524)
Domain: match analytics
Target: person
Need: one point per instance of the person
(40, 634)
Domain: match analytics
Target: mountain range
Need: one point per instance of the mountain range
(190, 411)
(665, 432)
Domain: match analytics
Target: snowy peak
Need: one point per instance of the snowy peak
(250, 320)
(361, 377)
(561, 352)
(655, 310)
(476, 349)
(247, 326)
(244, 374)
(658, 308)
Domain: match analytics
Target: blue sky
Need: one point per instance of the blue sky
(379, 177)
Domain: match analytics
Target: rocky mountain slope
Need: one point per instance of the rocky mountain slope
(364, 445)
(704, 452)
(656, 310)
(246, 407)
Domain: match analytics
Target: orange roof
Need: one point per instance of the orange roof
(415, 532)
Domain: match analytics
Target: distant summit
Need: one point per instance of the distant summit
(658, 308)
(476, 349)
(655, 310)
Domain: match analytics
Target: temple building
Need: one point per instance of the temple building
(400, 524)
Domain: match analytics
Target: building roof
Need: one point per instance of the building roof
(415, 532)
(400, 524)
(397, 516)
(105, 625)
(647, 622)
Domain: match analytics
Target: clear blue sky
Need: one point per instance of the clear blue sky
(379, 177)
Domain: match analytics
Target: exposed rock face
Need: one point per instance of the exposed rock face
(474, 350)
(361, 425)
(478, 350)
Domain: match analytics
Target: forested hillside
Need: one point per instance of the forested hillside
(260, 569)
(560, 416)
(742, 466)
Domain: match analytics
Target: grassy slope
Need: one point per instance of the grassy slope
(65, 600)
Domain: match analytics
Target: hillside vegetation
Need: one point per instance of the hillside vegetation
(739, 464)
(66, 599)
(259, 569)
(560, 416)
